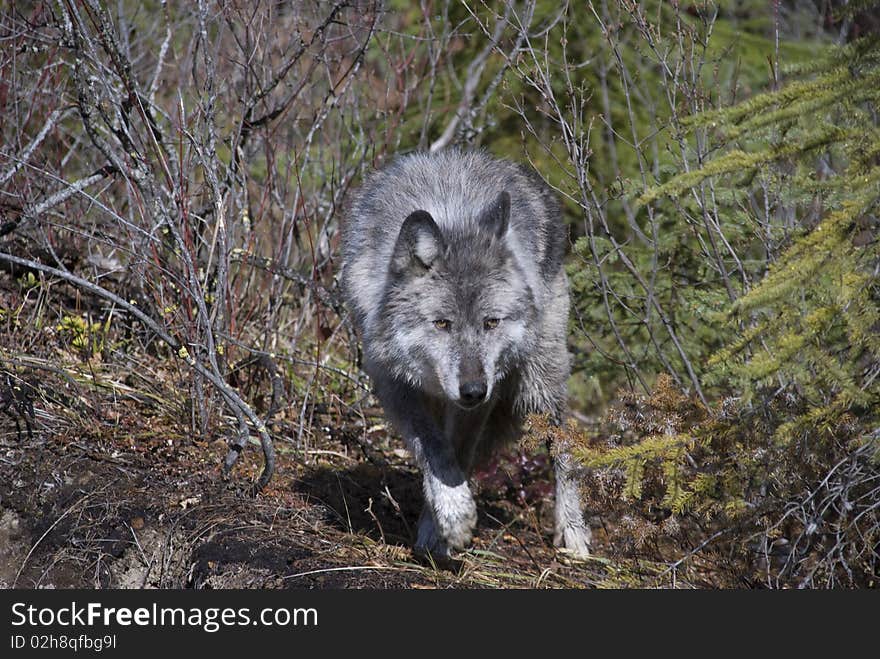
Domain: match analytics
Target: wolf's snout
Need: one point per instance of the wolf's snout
(472, 393)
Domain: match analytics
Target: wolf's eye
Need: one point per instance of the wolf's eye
(442, 324)
(491, 323)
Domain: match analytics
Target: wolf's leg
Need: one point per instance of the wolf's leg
(450, 513)
(465, 430)
(571, 531)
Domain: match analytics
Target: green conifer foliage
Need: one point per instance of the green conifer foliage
(812, 321)
(782, 471)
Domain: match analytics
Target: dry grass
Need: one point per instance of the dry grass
(111, 491)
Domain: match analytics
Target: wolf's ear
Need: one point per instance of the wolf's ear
(495, 218)
(419, 243)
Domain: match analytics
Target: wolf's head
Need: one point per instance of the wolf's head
(457, 308)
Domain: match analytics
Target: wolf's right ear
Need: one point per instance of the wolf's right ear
(419, 243)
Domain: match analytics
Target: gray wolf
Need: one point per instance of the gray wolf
(452, 270)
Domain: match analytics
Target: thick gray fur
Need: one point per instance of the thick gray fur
(452, 269)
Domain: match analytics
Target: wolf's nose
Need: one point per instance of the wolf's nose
(472, 392)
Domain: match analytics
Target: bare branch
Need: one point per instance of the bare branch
(236, 404)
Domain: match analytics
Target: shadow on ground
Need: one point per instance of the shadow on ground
(378, 502)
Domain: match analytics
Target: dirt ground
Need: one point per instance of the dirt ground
(124, 504)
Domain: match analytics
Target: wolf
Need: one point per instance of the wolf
(452, 270)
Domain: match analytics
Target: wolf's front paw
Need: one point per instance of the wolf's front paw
(454, 515)
(574, 538)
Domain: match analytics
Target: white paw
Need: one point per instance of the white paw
(574, 539)
(453, 516)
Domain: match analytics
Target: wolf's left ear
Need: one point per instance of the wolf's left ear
(496, 216)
